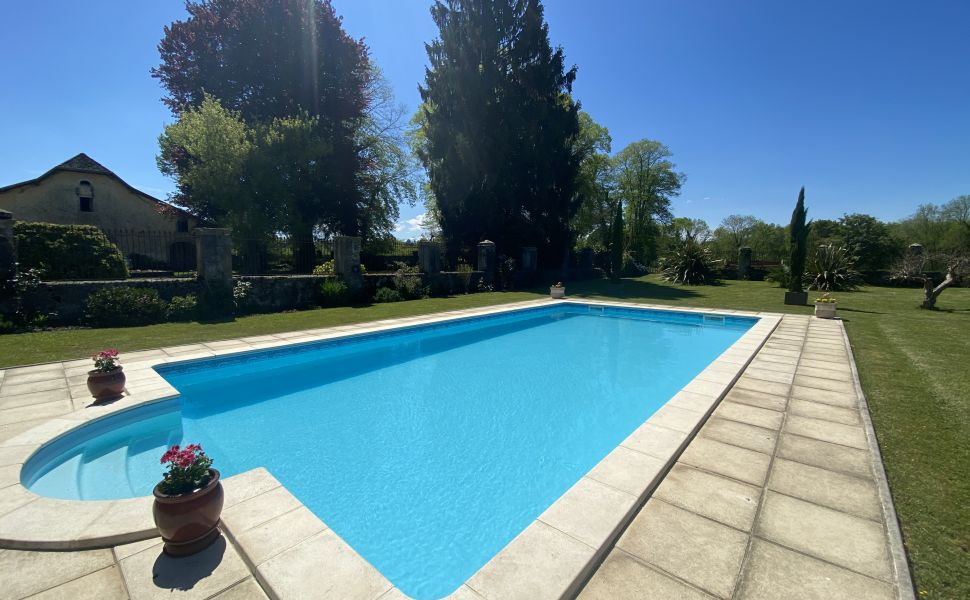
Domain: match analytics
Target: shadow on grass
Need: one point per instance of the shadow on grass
(859, 310)
(632, 288)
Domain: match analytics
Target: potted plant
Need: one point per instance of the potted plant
(825, 307)
(107, 379)
(188, 501)
(557, 290)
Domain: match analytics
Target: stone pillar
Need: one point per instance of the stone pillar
(213, 255)
(429, 257)
(346, 259)
(586, 259)
(8, 249)
(530, 259)
(744, 263)
(486, 260)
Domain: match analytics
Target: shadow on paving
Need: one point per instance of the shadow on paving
(183, 573)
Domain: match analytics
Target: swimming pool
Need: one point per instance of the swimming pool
(426, 448)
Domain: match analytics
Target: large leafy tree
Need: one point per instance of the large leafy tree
(869, 240)
(594, 182)
(738, 228)
(646, 180)
(208, 150)
(499, 126)
(273, 60)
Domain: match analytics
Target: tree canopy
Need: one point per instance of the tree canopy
(646, 181)
(499, 127)
(288, 71)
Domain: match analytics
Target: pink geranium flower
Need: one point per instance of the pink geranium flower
(188, 469)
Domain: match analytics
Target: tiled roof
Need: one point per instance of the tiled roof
(83, 163)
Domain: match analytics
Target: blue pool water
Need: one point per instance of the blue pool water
(427, 448)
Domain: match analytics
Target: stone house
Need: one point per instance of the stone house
(81, 191)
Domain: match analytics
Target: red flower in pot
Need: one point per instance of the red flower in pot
(188, 501)
(107, 379)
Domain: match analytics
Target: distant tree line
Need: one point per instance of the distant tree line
(874, 244)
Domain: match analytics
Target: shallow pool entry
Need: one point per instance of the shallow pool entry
(426, 448)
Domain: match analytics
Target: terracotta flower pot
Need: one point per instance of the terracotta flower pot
(188, 522)
(106, 385)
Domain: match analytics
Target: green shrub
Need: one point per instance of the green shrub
(506, 273)
(19, 297)
(124, 307)
(68, 251)
(833, 270)
(465, 271)
(690, 263)
(779, 275)
(327, 268)
(242, 295)
(334, 292)
(407, 281)
(386, 294)
(182, 308)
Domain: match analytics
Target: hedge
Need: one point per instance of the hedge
(68, 251)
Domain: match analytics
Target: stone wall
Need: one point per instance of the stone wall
(270, 293)
(65, 299)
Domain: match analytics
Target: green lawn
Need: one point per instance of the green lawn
(913, 365)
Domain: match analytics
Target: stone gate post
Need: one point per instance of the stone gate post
(213, 255)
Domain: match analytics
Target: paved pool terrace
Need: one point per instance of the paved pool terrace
(761, 479)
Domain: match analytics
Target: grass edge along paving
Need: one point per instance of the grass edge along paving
(912, 364)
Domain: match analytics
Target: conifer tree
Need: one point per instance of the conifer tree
(798, 243)
(499, 125)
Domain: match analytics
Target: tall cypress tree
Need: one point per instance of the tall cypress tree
(798, 243)
(499, 126)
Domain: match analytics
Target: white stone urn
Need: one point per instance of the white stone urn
(825, 310)
(556, 292)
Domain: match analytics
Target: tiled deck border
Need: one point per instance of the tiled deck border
(279, 538)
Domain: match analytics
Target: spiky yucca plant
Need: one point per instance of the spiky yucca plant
(690, 263)
(833, 270)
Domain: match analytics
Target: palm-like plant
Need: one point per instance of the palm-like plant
(833, 270)
(690, 263)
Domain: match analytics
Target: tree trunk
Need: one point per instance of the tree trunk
(931, 293)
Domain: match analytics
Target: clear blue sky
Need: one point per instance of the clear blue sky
(866, 103)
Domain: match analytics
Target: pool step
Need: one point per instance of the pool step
(100, 473)
(61, 481)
